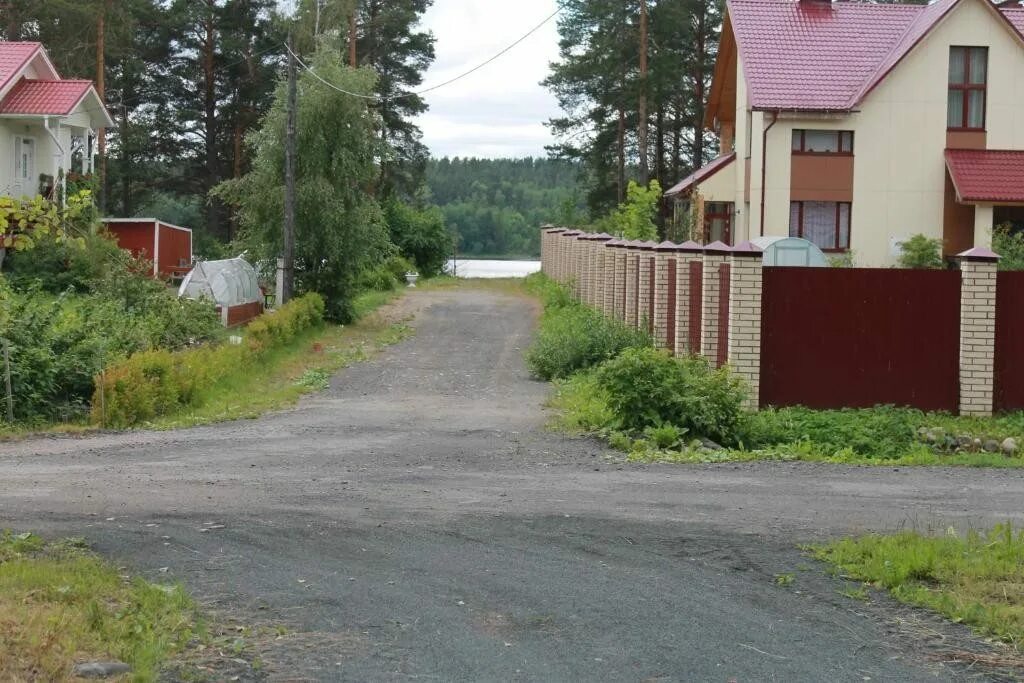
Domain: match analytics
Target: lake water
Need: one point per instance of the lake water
(492, 269)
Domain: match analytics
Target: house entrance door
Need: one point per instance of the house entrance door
(718, 222)
(24, 166)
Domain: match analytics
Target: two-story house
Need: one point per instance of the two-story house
(856, 125)
(47, 124)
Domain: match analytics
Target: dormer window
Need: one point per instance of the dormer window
(968, 78)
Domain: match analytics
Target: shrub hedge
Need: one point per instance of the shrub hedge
(158, 382)
(573, 337)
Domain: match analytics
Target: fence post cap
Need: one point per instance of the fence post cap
(666, 246)
(747, 249)
(571, 233)
(978, 254)
(550, 229)
(648, 246)
(601, 237)
(689, 246)
(633, 244)
(717, 247)
(615, 242)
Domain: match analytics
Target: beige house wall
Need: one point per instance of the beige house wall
(899, 138)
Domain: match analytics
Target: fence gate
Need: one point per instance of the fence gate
(853, 337)
(1009, 355)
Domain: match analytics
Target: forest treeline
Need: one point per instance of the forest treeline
(495, 206)
(188, 81)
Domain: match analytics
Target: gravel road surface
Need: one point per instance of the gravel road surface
(415, 521)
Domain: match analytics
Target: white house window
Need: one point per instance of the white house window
(968, 81)
(826, 224)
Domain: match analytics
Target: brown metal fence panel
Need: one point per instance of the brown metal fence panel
(724, 282)
(854, 337)
(696, 294)
(1009, 355)
(670, 319)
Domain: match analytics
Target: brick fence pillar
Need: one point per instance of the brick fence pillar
(582, 266)
(745, 285)
(686, 254)
(600, 269)
(645, 269)
(977, 330)
(608, 277)
(632, 282)
(715, 254)
(619, 249)
(565, 265)
(548, 245)
(664, 254)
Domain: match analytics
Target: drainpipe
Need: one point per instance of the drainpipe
(60, 166)
(764, 162)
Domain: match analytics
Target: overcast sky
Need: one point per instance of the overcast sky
(500, 110)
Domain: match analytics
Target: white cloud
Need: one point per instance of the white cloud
(500, 110)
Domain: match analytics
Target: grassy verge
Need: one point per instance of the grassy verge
(299, 368)
(60, 604)
(877, 436)
(977, 578)
(657, 409)
(281, 377)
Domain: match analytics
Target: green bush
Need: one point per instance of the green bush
(649, 388)
(573, 338)
(1009, 244)
(420, 234)
(922, 252)
(158, 382)
(551, 294)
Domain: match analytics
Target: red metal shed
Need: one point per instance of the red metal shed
(167, 246)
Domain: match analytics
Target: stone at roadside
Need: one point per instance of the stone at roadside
(991, 446)
(965, 443)
(100, 669)
(1009, 445)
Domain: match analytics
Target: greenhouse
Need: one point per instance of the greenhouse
(231, 284)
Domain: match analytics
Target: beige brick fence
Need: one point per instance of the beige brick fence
(711, 300)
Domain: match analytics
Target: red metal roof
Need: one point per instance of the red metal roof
(13, 57)
(702, 173)
(44, 97)
(827, 56)
(987, 175)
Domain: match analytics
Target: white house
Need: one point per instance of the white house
(47, 123)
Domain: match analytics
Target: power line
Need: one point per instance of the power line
(439, 85)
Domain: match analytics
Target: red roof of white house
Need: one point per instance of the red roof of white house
(702, 173)
(58, 98)
(827, 56)
(13, 57)
(987, 175)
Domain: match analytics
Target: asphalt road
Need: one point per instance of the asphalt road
(416, 521)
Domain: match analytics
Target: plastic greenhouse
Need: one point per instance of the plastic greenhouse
(231, 284)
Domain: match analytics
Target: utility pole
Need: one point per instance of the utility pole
(101, 90)
(645, 172)
(287, 267)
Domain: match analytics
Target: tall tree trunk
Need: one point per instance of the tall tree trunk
(352, 56)
(126, 165)
(659, 145)
(677, 143)
(698, 90)
(645, 171)
(210, 115)
(620, 174)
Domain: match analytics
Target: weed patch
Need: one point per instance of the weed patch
(975, 578)
(60, 604)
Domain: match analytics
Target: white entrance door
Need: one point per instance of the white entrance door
(24, 166)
